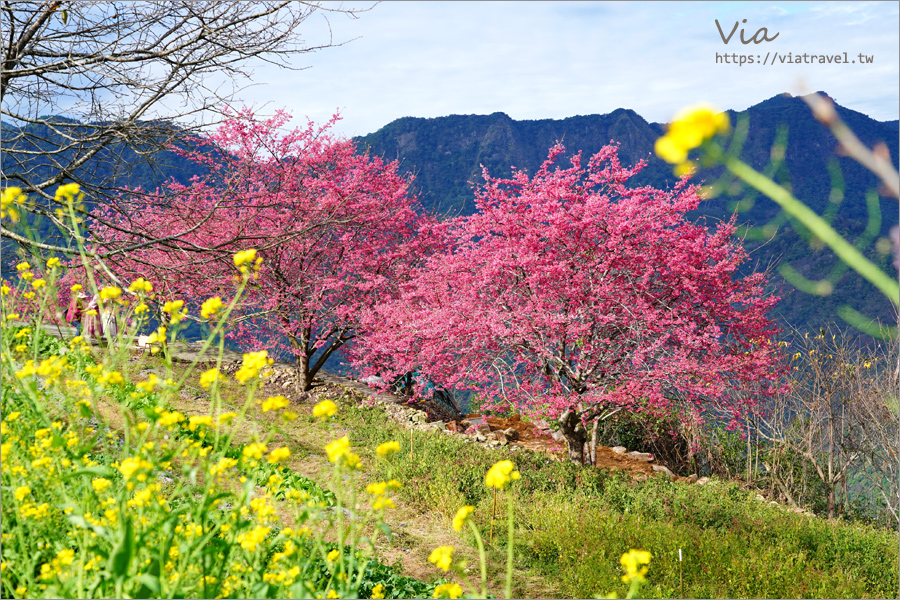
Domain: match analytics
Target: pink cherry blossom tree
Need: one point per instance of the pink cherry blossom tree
(572, 296)
(334, 230)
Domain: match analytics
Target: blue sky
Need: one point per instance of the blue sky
(538, 60)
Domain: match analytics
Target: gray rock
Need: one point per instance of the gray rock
(662, 469)
(619, 449)
(500, 436)
(702, 480)
(645, 456)
(512, 434)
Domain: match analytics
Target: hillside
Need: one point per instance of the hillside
(275, 534)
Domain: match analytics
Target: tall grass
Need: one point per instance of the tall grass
(573, 524)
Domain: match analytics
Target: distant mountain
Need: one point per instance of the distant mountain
(445, 154)
(40, 149)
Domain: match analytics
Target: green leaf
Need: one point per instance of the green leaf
(385, 528)
(262, 590)
(120, 559)
(150, 587)
(98, 471)
(83, 524)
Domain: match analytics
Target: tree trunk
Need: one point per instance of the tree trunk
(593, 445)
(304, 378)
(301, 369)
(573, 429)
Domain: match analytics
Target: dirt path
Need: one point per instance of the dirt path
(415, 533)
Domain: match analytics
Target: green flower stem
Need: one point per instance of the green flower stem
(509, 546)
(816, 224)
(482, 559)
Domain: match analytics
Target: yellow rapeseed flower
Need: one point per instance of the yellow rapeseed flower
(140, 285)
(134, 467)
(338, 449)
(69, 190)
(9, 199)
(150, 384)
(174, 309)
(691, 128)
(243, 257)
(387, 449)
(631, 562)
(254, 450)
(111, 378)
(21, 492)
(277, 455)
(377, 592)
(168, 418)
(382, 503)
(274, 403)
(226, 418)
(210, 307)
(324, 409)
(204, 421)
(76, 288)
(500, 475)
(461, 516)
(207, 378)
(448, 590)
(253, 363)
(110, 293)
(442, 557)
(53, 263)
(377, 489)
(333, 555)
(100, 484)
(250, 540)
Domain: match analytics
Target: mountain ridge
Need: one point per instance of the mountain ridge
(445, 154)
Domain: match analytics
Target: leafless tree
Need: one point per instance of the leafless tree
(90, 89)
(839, 421)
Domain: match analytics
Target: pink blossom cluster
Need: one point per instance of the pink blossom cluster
(570, 289)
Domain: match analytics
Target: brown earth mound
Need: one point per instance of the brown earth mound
(532, 438)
